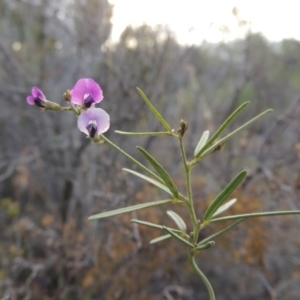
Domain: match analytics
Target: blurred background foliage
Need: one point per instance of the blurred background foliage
(52, 178)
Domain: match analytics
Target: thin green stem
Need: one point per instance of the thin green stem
(203, 277)
(65, 108)
(190, 203)
(187, 170)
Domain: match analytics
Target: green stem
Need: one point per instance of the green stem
(189, 191)
(203, 277)
(65, 108)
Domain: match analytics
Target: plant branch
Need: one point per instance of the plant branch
(202, 276)
(189, 188)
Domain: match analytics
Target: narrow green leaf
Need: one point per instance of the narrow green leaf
(201, 142)
(155, 111)
(153, 181)
(143, 133)
(215, 235)
(128, 209)
(178, 237)
(160, 238)
(205, 246)
(152, 225)
(177, 219)
(230, 135)
(162, 172)
(224, 207)
(257, 215)
(223, 127)
(223, 196)
(118, 149)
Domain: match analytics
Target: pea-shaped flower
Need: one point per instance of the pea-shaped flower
(86, 92)
(93, 122)
(37, 98)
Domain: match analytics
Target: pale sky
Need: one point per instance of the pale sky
(196, 20)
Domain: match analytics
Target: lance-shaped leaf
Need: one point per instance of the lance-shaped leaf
(201, 142)
(210, 149)
(257, 215)
(153, 181)
(152, 225)
(177, 219)
(224, 207)
(205, 246)
(178, 237)
(215, 235)
(162, 172)
(143, 133)
(223, 196)
(114, 146)
(160, 238)
(222, 128)
(155, 111)
(149, 224)
(128, 209)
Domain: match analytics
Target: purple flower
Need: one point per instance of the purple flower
(93, 121)
(37, 98)
(86, 92)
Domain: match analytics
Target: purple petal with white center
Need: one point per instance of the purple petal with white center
(86, 87)
(93, 118)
